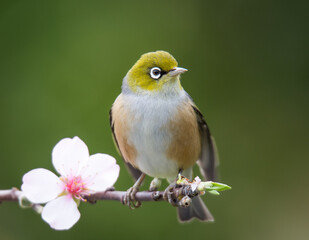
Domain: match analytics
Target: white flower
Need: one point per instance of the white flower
(80, 174)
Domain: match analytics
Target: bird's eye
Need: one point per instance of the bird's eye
(155, 73)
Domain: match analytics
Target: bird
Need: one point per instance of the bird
(159, 131)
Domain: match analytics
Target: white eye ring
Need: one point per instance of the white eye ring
(155, 73)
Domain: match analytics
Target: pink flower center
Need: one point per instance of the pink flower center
(74, 185)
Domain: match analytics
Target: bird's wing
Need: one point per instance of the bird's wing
(209, 157)
(132, 170)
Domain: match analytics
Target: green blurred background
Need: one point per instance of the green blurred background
(61, 67)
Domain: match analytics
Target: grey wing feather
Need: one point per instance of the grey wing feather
(209, 157)
(135, 173)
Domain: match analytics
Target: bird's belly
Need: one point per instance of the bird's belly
(151, 142)
(150, 137)
(162, 134)
(154, 162)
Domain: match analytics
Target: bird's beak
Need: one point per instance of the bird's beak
(176, 71)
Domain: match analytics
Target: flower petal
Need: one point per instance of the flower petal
(69, 156)
(41, 185)
(195, 183)
(61, 213)
(101, 172)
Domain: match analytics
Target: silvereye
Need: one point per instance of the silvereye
(159, 131)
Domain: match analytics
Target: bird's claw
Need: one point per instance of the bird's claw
(129, 198)
(170, 196)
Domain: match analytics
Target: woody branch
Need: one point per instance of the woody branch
(13, 195)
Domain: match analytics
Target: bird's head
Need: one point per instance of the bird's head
(153, 72)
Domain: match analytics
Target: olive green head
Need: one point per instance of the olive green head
(153, 71)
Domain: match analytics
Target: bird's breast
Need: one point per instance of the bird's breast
(161, 135)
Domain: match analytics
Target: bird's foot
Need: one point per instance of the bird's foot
(129, 198)
(155, 184)
(169, 195)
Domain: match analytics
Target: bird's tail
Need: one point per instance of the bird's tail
(197, 209)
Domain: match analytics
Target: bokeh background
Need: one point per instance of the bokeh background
(61, 67)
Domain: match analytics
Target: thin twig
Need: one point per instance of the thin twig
(12, 195)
